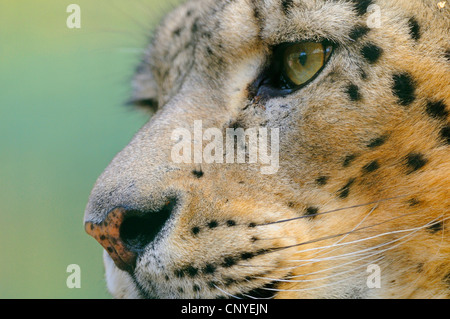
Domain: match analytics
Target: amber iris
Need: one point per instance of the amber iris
(302, 61)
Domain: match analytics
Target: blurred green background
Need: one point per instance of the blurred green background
(62, 119)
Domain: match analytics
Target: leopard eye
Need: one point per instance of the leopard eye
(291, 67)
(303, 61)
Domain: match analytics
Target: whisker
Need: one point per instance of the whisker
(227, 293)
(356, 253)
(435, 221)
(360, 252)
(326, 277)
(356, 227)
(334, 267)
(273, 238)
(259, 298)
(412, 283)
(365, 239)
(341, 234)
(329, 284)
(316, 287)
(330, 211)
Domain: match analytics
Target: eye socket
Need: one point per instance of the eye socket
(292, 66)
(302, 61)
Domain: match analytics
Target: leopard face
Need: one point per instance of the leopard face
(358, 93)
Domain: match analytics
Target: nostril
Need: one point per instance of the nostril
(140, 228)
(135, 232)
(125, 233)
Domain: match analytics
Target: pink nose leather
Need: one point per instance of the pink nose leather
(107, 234)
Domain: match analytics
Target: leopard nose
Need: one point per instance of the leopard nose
(124, 233)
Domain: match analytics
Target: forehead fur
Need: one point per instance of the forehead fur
(208, 35)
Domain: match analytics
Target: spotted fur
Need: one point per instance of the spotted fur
(364, 172)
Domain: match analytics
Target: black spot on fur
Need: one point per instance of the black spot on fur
(358, 32)
(349, 160)
(437, 109)
(286, 5)
(256, 12)
(228, 262)
(196, 288)
(177, 31)
(345, 191)
(377, 142)
(371, 167)
(371, 52)
(194, 27)
(361, 6)
(404, 88)
(209, 269)
(445, 134)
(246, 256)
(353, 92)
(213, 224)
(415, 161)
(191, 271)
(414, 29)
(413, 202)
(197, 173)
(420, 267)
(179, 273)
(231, 223)
(322, 180)
(252, 225)
(228, 281)
(436, 227)
(447, 54)
(195, 230)
(311, 212)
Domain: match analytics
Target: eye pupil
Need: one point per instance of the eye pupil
(302, 59)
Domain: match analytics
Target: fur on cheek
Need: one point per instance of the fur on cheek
(119, 283)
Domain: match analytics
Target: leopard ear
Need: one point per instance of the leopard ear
(144, 88)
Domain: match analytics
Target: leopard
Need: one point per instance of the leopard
(358, 207)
